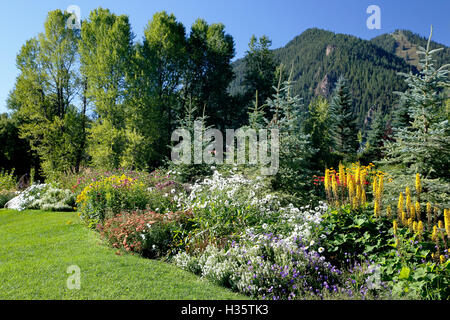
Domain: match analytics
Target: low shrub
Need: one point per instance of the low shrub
(7, 180)
(147, 233)
(6, 196)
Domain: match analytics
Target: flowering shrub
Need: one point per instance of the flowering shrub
(227, 204)
(111, 196)
(43, 197)
(148, 233)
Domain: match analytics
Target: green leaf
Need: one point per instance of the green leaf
(404, 273)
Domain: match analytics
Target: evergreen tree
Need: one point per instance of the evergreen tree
(296, 151)
(344, 128)
(259, 74)
(317, 125)
(424, 145)
(376, 135)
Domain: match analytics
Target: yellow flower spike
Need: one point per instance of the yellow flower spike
(420, 228)
(412, 212)
(418, 211)
(434, 233)
(358, 192)
(380, 188)
(348, 178)
(447, 221)
(440, 224)
(362, 178)
(429, 214)
(374, 186)
(408, 199)
(363, 196)
(334, 186)
(389, 211)
(410, 223)
(404, 218)
(327, 180)
(418, 184)
(376, 209)
(414, 227)
(395, 227)
(355, 203)
(351, 189)
(400, 204)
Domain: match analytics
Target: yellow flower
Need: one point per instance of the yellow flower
(418, 211)
(420, 227)
(447, 221)
(414, 227)
(389, 211)
(442, 259)
(327, 180)
(434, 234)
(400, 203)
(376, 209)
(412, 212)
(341, 173)
(418, 184)
(395, 227)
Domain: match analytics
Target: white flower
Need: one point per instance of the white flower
(321, 250)
(312, 243)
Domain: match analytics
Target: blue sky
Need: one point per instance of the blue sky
(281, 20)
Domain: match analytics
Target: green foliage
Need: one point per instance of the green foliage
(343, 121)
(373, 149)
(350, 234)
(7, 180)
(105, 51)
(47, 83)
(259, 73)
(317, 125)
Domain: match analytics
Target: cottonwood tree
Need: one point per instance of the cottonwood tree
(105, 50)
(44, 93)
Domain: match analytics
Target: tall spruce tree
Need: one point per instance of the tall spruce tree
(373, 150)
(344, 129)
(424, 145)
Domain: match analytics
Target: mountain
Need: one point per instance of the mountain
(318, 57)
(404, 44)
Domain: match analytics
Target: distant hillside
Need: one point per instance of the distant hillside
(404, 43)
(318, 58)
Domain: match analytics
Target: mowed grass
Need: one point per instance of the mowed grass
(36, 249)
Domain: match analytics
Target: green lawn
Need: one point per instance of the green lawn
(36, 248)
